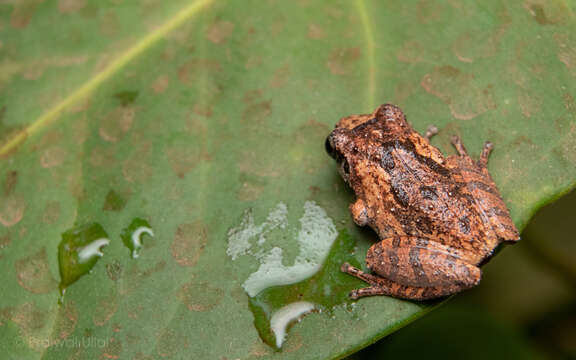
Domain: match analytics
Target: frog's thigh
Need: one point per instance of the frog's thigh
(418, 262)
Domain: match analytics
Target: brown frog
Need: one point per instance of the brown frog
(438, 218)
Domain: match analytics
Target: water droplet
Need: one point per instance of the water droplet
(280, 293)
(326, 289)
(79, 251)
(132, 235)
(286, 316)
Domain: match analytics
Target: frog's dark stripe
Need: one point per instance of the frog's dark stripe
(394, 261)
(410, 148)
(464, 224)
(419, 273)
(364, 125)
(428, 192)
(400, 195)
(481, 186)
(387, 160)
(424, 224)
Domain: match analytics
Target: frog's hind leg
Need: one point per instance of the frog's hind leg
(486, 150)
(383, 286)
(431, 267)
(457, 142)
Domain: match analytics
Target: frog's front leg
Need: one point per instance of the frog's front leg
(417, 268)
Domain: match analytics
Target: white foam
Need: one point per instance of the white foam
(282, 318)
(92, 249)
(239, 237)
(317, 233)
(137, 241)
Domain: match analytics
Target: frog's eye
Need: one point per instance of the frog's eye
(330, 147)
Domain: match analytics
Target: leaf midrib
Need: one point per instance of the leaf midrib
(87, 88)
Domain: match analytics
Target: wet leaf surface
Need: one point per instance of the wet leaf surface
(186, 114)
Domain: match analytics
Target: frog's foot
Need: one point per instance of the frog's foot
(486, 150)
(457, 142)
(431, 131)
(374, 280)
(359, 212)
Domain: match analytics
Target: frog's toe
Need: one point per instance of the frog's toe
(353, 295)
(431, 131)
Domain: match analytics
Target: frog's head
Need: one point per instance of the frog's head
(361, 136)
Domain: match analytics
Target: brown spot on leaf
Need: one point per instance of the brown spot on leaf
(199, 296)
(344, 61)
(183, 158)
(259, 349)
(471, 46)
(546, 12)
(170, 342)
(529, 103)
(114, 201)
(251, 162)
(65, 322)
(102, 156)
(10, 182)
(5, 240)
(191, 71)
(52, 156)
(160, 84)
(112, 349)
(136, 167)
(219, 31)
(570, 104)
(35, 331)
(566, 51)
(253, 61)
(189, 242)
(257, 113)
(114, 270)
(51, 212)
(429, 11)
(315, 32)
(252, 96)
(105, 309)
(109, 23)
(460, 91)
(11, 209)
(280, 76)
(117, 123)
(70, 6)
(249, 191)
(23, 12)
(34, 275)
(30, 321)
(403, 90)
(411, 52)
(202, 109)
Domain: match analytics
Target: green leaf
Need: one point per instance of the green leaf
(205, 121)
